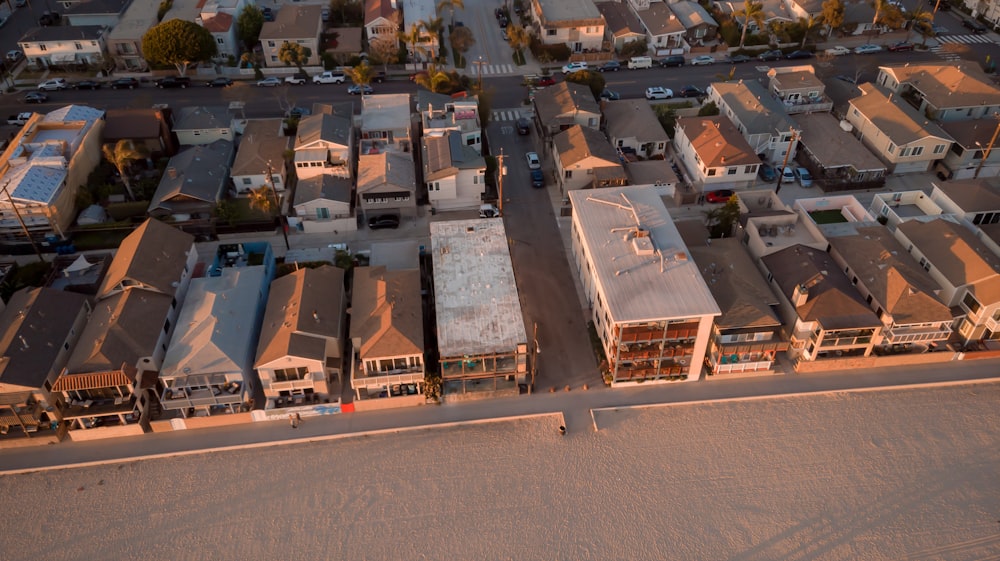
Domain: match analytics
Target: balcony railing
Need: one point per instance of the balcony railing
(832, 342)
(360, 380)
(808, 105)
(180, 398)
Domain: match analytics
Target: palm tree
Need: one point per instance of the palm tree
(922, 22)
(261, 199)
(887, 14)
(434, 27)
(808, 24)
(412, 38)
(121, 155)
(361, 74)
(451, 5)
(461, 41)
(751, 11)
(519, 39)
(435, 80)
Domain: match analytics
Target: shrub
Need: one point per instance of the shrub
(545, 52)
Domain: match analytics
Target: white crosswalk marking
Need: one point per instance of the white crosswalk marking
(939, 51)
(967, 39)
(497, 69)
(500, 115)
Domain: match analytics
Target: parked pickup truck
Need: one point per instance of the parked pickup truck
(298, 79)
(19, 119)
(329, 77)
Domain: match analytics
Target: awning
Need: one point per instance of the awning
(63, 57)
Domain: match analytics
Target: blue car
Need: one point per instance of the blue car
(537, 178)
(766, 172)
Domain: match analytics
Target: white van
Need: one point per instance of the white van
(488, 211)
(638, 62)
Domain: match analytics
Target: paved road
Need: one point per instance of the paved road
(575, 406)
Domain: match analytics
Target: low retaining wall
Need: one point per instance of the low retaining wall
(81, 435)
(851, 363)
(389, 402)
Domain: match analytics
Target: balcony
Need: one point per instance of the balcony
(361, 379)
(922, 334)
(183, 398)
(630, 335)
(808, 105)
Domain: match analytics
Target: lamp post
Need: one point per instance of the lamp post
(989, 148)
(479, 67)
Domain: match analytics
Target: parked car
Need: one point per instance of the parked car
(383, 221)
(775, 54)
(537, 178)
(672, 60)
(53, 84)
(737, 59)
(174, 82)
(325, 14)
(720, 196)
(610, 95)
(87, 85)
(942, 6)
(901, 46)
(543, 81)
(14, 55)
(805, 178)
(297, 113)
(690, 91)
(329, 77)
(657, 92)
(49, 18)
(974, 26)
(298, 79)
(610, 66)
(379, 77)
(787, 174)
(125, 84)
(766, 173)
(270, 82)
(798, 55)
(220, 82)
(868, 49)
(35, 97)
(267, 13)
(20, 119)
(574, 67)
(837, 51)
(703, 60)
(360, 90)
(533, 161)
(523, 126)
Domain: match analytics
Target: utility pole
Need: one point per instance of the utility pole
(936, 5)
(20, 220)
(479, 66)
(784, 164)
(989, 147)
(500, 174)
(282, 223)
(534, 357)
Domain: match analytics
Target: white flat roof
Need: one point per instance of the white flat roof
(475, 295)
(660, 280)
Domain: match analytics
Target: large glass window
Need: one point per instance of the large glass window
(289, 374)
(971, 303)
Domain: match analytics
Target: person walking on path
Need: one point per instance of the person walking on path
(294, 423)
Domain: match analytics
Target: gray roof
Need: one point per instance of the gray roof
(832, 300)
(197, 173)
(385, 112)
(122, 329)
(894, 117)
(691, 14)
(565, 12)
(832, 146)
(476, 302)
(754, 107)
(736, 284)
(324, 186)
(563, 98)
(153, 255)
(972, 195)
(330, 128)
(660, 20)
(957, 254)
(304, 308)
(202, 118)
(633, 118)
(387, 169)
(386, 312)
(94, 7)
(33, 328)
(639, 260)
(260, 144)
(63, 33)
(619, 18)
(445, 154)
(293, 22)
(946, 84)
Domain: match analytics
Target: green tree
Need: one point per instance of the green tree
(433, 26)
(263, 199)
(438, 81)
(294, 54)
(121, 155)
(461, 41)
(588, 78)
(384, 50)
(451, 5)
(361, 74)
(751, 11)
(721, 220)
(708, 110)
(634, 48)
(519, 39)
(920, 21)
(886, 14)
(179, 43)
(808, 25)
(248, 26)
(411, 37)
(833, 13)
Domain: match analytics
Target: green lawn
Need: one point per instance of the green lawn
(827, 216)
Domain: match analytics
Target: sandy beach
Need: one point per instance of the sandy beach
(888, 475)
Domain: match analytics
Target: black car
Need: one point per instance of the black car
(267, 13)
(737, 59)
(796, 55)
(770, 55)
(35, 97)
(174, 82)
(610, 66)
(220, 82)
(690, 91)
(87, 85)
(974, 26)
(125, 84)
(610, 95)
(766, 172)
(379, 77)
(383, 221)
(672, 60)
(523, 126)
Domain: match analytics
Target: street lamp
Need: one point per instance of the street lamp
(479, 66)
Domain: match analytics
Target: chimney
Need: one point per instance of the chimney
(800, 295)
(172, 172)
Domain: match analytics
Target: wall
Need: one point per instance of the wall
(349, 224)
(389, 403)
(852, 363)
(100, 433)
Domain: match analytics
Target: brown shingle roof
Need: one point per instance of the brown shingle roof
(218, 23)
(717, 142)
(33, 327)
(294, 22)
(742, 294)
(154, 255)
(579, 143)
(955, 251)
(302, 307)
(375, 9)
(619, 18)
(633, 118)
(947, 84)
(259, 145)
(971, 195)
(122, 329)
(894, 117)
(659, 19)
(562, 98)
(386, 312)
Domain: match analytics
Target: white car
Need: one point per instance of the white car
(804, 177)
(867, 49)
(838, 51)
(53, 84)
(787, 174)
(574, 67)
(329, 77)
(269, 82)
(297, 79)
(14, 55)
(702, 60)
(656, 92)
(533, 161)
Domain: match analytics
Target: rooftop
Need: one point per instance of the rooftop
(692, 14)
(754, 107)
(832, 146)
(123, 329)
(153, 255)
(195, 174)
(893, 116)
(957, 254)
(385, 112)
(566, 12)
(335, 129)
(619, 18)
(478, 310)
(135, 21)
(324, 186)
(304, 308)
(293, 21)
(968, 133)
(660, 19)
(735, 282)
(201, 118)
(971, 195)
(577, 143)
(947, 84)
(717, 142)
(639, 259)
(633, 118)
(387, 312)
(385, 170)
(562, 98)
(63, 33)
(260, 145)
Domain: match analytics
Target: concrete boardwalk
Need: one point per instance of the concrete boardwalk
(575, 407)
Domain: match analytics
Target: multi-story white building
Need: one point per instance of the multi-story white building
(60, 45)
(576, 23)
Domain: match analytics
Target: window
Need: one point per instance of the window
(78, 46)
(917, 150)
(247, 181)
(731, 171)
(568, 174)
(592, 122)
(855, 112)
(42, 48)
(971, 303)
(891, 149)
(550, 32)
(939, 149)
(220, 40)
(322, 213)
(288, 374)
(475, 180)
(276, 180)
(274, 58)
(749, 169)
(621, 143)
(711, 172)
(166, 326)
(270, 44)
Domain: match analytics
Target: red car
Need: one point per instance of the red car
(900, 47)
(720, 196)
(545, 81)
